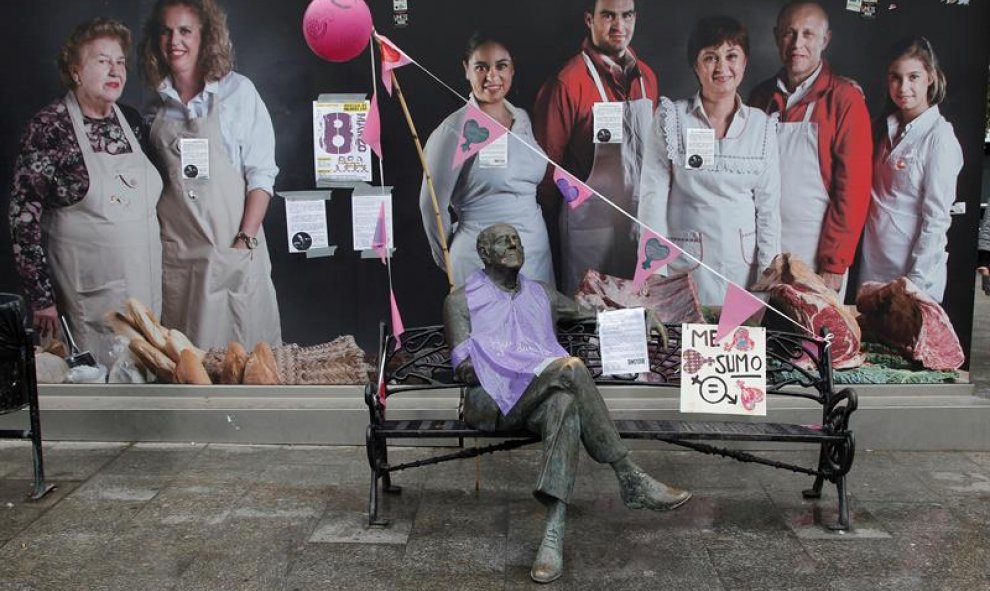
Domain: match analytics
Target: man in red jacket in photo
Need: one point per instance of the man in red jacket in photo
(826, 147)
(590, 118)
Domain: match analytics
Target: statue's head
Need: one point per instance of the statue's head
(499, 246)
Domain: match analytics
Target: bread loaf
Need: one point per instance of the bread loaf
(190, 370)
(234, 361)
(153, 359)
(177, 342)
(120, 325)
(142, 318)
(260, 368)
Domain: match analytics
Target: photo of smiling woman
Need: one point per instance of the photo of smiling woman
(723, 209)
(82, 208)
(483, 192)
(213, 140)
(914, 175)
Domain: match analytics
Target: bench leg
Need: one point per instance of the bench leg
(843, 522)
(815, 492)
(41, 488)
(387, 485)
(372, 447)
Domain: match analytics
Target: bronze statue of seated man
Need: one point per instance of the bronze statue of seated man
(500, 326)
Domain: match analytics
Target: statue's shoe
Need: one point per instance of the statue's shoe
(549, 563)
(642, 491)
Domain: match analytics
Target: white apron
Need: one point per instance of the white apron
(106, 247)
(894, 224)
(803, 196)
(213, 292)
(595, 236)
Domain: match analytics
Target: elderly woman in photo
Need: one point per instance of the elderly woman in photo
(485, 191)
(711, 182)
(212, 137)
(915, 167)
(82, 209)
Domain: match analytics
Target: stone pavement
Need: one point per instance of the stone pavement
(153, 517)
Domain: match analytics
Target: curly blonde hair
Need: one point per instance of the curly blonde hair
(216, 54)
(97, 28)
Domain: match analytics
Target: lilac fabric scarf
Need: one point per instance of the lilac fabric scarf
(512, 337)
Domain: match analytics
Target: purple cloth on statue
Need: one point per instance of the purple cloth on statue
(512, 336)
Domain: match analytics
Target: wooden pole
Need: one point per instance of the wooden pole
(429, 182)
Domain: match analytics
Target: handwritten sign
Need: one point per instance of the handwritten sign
(728, 377)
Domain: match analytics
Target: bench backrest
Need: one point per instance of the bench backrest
(423, 360)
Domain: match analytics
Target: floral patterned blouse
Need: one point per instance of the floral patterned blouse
(50, 173)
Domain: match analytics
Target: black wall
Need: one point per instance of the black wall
(323, 298)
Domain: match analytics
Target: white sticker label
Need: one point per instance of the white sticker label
(700, 149)
(195, 158)
(607, 128)
(495, 154)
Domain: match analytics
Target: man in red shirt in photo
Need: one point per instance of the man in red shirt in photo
(826, 148)
(590, 119)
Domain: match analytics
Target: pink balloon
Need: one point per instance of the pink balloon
(337, 30)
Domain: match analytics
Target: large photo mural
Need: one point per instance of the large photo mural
(816, 163)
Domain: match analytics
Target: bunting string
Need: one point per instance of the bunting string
(612, 204)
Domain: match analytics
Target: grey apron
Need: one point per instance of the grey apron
(213, 292)
(106, 247)
(594, 235)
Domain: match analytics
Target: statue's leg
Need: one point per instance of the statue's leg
(556, 420)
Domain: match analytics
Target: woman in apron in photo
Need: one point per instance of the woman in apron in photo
(914, 176)
(82, 211)
(498, 185)
(214, 142)
(711, 178)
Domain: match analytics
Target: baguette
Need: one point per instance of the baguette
(234, 361)
(190, 370)
(177, 342)
(142, 318)
(260, 368)
(120, 325)
(153, 359)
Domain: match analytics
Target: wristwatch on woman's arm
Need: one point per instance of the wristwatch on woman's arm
(249, 241)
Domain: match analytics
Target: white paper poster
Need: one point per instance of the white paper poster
(622, 340)
(364, 219)
(339, 152)
(306, 225)
(723, 378)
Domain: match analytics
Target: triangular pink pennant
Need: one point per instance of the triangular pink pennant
(654, 253)
(380, 240)
(397, 327)
(477, 131)
(372, 132)
(738, 306)
(574, 191)
(392, 58)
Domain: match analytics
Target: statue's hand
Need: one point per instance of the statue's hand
(653, 324)
(465, 373)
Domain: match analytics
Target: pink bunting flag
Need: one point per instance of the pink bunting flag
(392, 58)
(379, 241)
(477, 131)
(738, 306)
(372, 132)
(653, 254)
(397, 327)
(574, 191)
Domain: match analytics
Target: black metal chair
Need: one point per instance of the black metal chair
(18, 382)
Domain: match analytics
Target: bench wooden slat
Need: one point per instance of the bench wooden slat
(632, 429)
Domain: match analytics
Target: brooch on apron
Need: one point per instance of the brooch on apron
(900, 164)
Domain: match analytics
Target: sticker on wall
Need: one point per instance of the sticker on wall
(869, 9)
(400, 13)
(723, 377)
(365, 210)
(339, 152)
(306, 225)
(854, 5)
